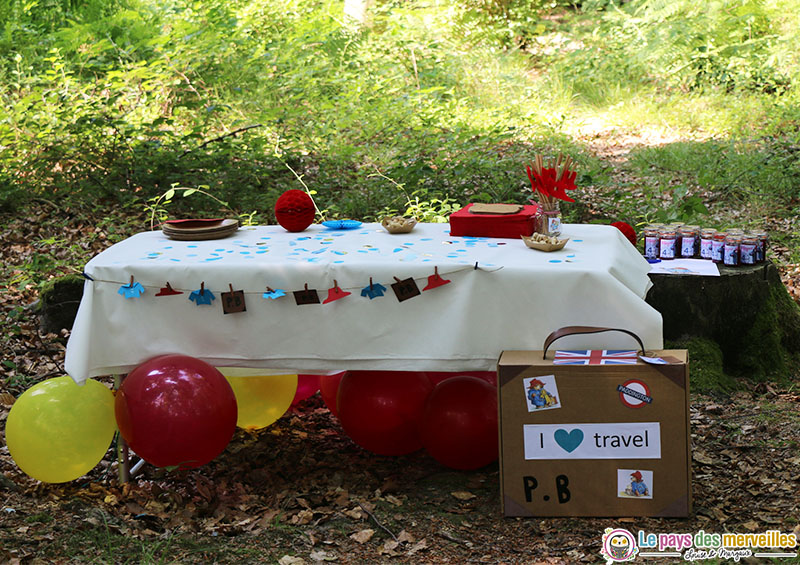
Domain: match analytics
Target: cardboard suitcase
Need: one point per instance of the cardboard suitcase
(594, 433)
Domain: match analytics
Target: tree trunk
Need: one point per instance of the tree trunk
(356, 12)
(746, 311)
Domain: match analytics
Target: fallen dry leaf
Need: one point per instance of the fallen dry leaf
(405, 537)
(363, 536)
(462, 495)
(355, 513)
(419, 546)
(393, 500)
(302, 517)
(319, 556)
(389, 547)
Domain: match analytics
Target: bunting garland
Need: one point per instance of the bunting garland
(233, 301)
(131, 290)
(373, 290)
(335, 293)
(435, 280)
(168, 291)
(273, 294)
(202, 295)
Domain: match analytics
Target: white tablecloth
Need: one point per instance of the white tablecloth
(513, 300)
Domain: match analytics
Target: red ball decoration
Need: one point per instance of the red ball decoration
(176, 410)
(294, 210)
(627, 231)
(438, 376)
(459, 423)
(329, 390)
(381, 410)
(307, 386)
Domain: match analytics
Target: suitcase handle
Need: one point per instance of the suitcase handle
(575, 330)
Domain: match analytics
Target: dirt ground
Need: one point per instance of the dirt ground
(302, 492)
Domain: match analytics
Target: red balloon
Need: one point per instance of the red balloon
(329, 389)
(459, 423)
(438, 376)
(307, 386)
(380, 410)
(176, 410)
(294, 210)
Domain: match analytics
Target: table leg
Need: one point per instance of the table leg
(123, 460)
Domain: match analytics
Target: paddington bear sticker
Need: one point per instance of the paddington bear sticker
(541, 393)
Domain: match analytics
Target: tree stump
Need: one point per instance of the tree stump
(58, 303)
(746, 313)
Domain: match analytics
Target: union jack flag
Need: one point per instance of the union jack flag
(596, 357)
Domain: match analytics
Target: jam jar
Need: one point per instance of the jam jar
(761, 249)
(732, 244)
(748, 249)
(718, 247)
(706, 238)
(651, 243)
(688, 241)
(668, 242)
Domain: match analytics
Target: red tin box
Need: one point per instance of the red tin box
(514, 225)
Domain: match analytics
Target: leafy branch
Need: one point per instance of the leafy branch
(157, 205)
(310, 192)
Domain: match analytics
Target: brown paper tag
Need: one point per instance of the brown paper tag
(233, 302)
(405, 289)
(501, 209)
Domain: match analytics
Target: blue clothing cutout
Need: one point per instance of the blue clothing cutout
(131, 290)
(204, 296)
(373, 290)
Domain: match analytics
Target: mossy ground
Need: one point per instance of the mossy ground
(706, 373)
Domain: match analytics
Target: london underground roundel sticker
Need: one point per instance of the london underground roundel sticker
(634, 393)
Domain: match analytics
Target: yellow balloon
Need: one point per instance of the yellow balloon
(57, 431)
(261, 399)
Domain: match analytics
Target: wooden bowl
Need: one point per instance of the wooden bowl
(542, 246)
(398, 224)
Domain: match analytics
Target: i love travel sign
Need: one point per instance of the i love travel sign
(638, 440)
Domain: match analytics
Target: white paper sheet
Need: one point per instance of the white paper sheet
(701, 267)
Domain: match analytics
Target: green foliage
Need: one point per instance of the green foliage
(706, 359)
(117, 102)
(510, 23)
(226, 95)
(754, 175)
(730, 44)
